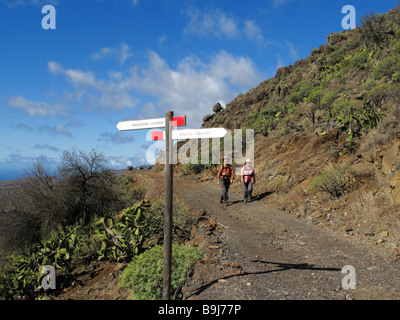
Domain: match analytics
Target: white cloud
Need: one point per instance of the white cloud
(122, 53)
(59, 129)
(191, 88)
(162, 39)
(122, 162)
(149, 110)
(77, 77)
(33, 108)
(280, 62)
(113, 95)
(252, 31)
(45, 147)
(213, 22)
(292, 50)
(195, 86)
(216, 23)
(116, 138)
(239, 71)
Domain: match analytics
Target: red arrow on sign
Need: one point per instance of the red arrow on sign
(179, 121)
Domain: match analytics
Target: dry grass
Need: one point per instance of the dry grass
(372, 143)
(375, 212)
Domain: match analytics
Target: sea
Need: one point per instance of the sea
(10, 174)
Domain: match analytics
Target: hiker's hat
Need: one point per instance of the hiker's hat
(248, 160)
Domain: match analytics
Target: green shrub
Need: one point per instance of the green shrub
(280, 185)
(219, 118)
(328, 99)
(86, 248)
(344, 113)
(123, 239)
(135, 194)
(396, 76)
(360, 60)
(285, 118)
(182, 217)
(263, 122)
(195, 168)
(334, 180)
(336, 56)
(378, 30)
(126, 180)
(300, 91)
(396, 47)
(144, 275)
(377, 95)
(315, 51)
(355, 121)
(130, 192)
(315, 95)
(387, 67)
(65, 249)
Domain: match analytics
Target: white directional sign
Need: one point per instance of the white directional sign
(149, 123)
(191, 134)
(199, 133)
(141, 124)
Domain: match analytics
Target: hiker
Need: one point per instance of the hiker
(248, 178)
(225, 177)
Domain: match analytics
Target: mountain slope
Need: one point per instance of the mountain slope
(330, 123)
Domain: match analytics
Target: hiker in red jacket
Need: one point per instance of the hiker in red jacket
(248, 179)
(225, 177)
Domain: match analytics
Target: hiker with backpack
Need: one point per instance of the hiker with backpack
(248, 179)
(225, 177)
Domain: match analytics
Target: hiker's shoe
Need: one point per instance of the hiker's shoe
(245, 200)
(226, 204)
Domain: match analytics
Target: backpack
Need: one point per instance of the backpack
(247, 172)
(226, 172)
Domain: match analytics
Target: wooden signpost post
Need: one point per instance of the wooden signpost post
(169, 135)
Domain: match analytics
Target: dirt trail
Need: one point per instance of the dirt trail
(269, 255)
(257, 253)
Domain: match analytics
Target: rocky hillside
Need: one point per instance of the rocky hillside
(327, 145)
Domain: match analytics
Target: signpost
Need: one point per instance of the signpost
(169, 135)
(168, 183)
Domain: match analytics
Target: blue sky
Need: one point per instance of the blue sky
(108, 61)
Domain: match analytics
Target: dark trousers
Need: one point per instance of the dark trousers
(247, 188)
(225, 183)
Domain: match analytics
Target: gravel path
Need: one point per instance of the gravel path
(280, 257)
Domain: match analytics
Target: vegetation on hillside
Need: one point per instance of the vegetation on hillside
(349, 84)
(78, 215)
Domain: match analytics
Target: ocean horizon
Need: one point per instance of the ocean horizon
(10, 174)
(17, 173)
